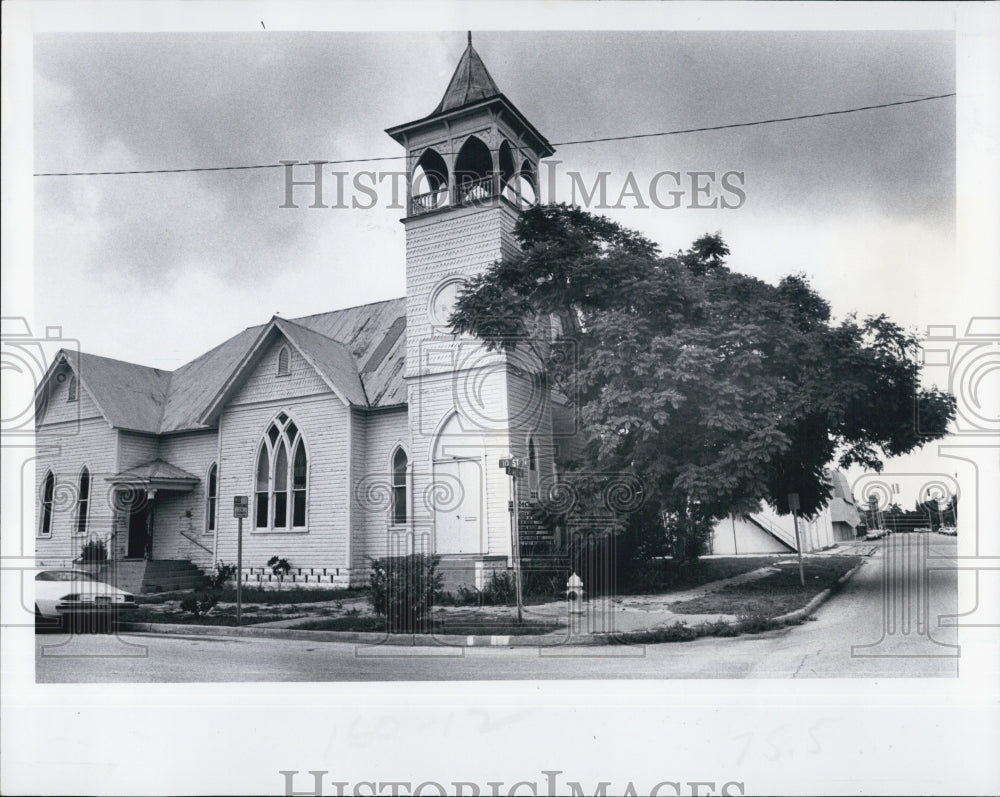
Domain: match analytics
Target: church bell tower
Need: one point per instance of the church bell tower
(472, 167)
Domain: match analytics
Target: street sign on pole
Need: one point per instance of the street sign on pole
(793, 504)
(512, 465)
(241, 506)
(241, 509)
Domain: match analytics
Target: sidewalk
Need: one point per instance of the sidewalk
(601, 621)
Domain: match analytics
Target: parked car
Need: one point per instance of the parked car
(75, 600)
(951, 531)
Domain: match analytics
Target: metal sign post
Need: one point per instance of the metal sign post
(793, 504)
(513, 466)
(241, 509)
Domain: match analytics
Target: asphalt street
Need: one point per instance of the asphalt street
(885, 622)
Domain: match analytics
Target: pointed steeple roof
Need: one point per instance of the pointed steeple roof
(470, 83)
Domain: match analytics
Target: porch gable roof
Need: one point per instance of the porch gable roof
(156, 474)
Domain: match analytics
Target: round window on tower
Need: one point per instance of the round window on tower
(443, 299)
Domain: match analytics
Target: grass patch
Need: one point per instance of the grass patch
(668, 575)
(494, 626)
(682, 632)
(220, 616)
(355, 622)
(773, 595)
(267, 597)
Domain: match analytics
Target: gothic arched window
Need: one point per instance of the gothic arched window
(48, 491)
(281, 481)
(211, 498)
(83, 502)
(399, 462)
(71, 389)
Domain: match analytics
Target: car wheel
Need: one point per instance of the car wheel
(43, 623)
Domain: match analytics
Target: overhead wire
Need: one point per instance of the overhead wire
(630, 137)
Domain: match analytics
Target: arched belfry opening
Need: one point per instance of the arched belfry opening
(429, 182)
(472, 148)
(473, 172)
(506, 171)
(527, 184)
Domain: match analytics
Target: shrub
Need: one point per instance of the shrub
(200, 603)
(500, 590)
(544, 584)
(280, 568)
(223, 574)
(403, 589)
(94, 552)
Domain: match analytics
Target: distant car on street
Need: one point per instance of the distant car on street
(951, 531)
(75, 600)
(924, 529)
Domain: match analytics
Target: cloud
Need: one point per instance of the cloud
(132, 101)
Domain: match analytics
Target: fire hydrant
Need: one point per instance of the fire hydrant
(574, 594)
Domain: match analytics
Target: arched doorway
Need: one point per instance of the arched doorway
(455, 494)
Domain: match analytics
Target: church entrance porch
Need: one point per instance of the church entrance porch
(135, 494)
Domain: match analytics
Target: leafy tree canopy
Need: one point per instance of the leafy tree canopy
(716, 388)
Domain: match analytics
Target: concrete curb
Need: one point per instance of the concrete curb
(373, 638)
(376, 639)
(819, 600)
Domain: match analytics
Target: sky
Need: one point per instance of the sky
(156, 269)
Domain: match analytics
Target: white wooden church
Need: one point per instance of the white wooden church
(355, 433)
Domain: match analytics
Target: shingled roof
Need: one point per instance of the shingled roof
(129, 396)
(359, 350)
(470, 83)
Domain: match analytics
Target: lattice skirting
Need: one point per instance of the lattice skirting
(299, 577)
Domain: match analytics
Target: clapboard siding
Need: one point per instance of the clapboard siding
(323, 424)
(180, 528)
(136, 449)
(92, 443)
(264, 384)
(58, 409)
(375, 439)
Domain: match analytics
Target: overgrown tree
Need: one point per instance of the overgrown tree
(716, 388)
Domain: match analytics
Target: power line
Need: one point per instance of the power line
(557, 144)
(760, 122)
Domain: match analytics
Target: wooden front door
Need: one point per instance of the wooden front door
(458, 510)
(138, 527)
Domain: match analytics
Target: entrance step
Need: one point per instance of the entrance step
(164, 575)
